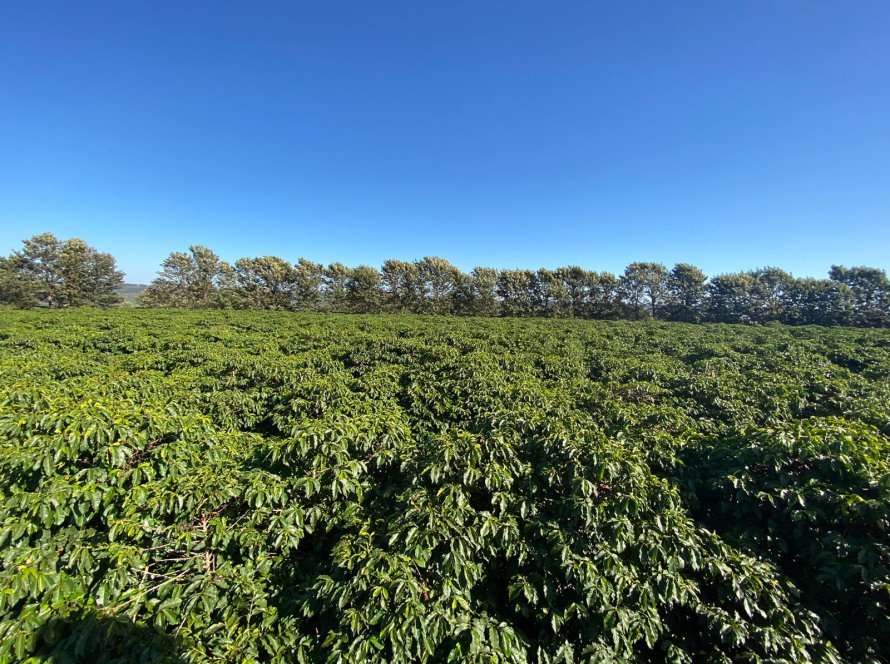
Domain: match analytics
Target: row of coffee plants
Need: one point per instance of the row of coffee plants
(270, 487)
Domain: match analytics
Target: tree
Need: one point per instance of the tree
(15, 289)
(483, 282)
(266, 282)
(38, 266)
(363, 290)
(730, 298)
(308, 282)
(171, 288)
(207, 274)
(474, 294)
(516, 289)
(188, 280)
(686, 288)
(401, 283)
(53, 273)
(644, 283)
(334, 280)
(578, 285)
(770, 294)
(88, 277)
(438, 281)
(551, 295)
(818, 302)
(871, 291)
(605, 296)
(227, 294)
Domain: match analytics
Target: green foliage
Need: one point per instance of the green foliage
(870, 290)
(855, 296)
(51, 273)
(54, 273)
(644, 280)
(244, 486)
(814, 497)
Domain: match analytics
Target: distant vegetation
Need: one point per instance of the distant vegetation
(50, 273)
(230, 486)
(131, 292)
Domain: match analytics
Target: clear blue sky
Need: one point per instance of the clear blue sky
(514, 134)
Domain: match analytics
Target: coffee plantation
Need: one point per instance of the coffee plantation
(278, 487)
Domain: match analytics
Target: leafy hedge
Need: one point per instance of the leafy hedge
(274, 487)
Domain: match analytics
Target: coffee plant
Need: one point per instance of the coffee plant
(273, 487)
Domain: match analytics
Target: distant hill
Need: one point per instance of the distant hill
(130, 292)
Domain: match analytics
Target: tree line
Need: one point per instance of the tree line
(54, 273)
(199, 278)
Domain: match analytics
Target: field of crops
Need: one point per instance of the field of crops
(257, 486)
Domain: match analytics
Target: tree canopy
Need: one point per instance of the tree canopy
(858, 296)
(53, 273)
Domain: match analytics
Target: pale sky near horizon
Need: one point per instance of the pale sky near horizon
(510, 134)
